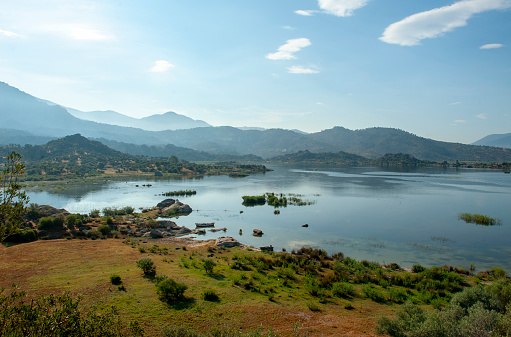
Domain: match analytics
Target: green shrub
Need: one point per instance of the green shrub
(210, 295)
(104, 229)
(147, 266)
(417, 268)
(23, 236)
(115, 279)
(343, 289)
(47, 222)
(58, 316)
(170, 291)
(208, 265)
(94, 213)
(109, 220)
(375, 294)
(73, 220)
(313, 306)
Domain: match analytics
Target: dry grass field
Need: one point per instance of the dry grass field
(83, 268)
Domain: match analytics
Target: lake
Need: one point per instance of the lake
(402, 216)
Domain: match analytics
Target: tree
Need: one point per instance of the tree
(13, 200)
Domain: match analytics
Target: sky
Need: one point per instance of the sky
(436, 68)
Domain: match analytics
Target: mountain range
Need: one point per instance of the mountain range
(499, 140)
(31, 116)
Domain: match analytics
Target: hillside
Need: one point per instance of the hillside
(23, 112)
(76, 156)
(500, 140)
(307, 157)
(181, 152)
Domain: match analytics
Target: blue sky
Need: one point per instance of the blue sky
(439, 69)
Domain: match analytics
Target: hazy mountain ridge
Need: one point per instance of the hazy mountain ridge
(498, 140)
(158, 122)
(21, 111)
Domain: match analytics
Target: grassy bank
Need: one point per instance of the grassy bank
(305, 293)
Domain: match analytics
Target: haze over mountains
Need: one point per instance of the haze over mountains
(26, 119)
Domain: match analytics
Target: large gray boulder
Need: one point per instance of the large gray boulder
(227, 241)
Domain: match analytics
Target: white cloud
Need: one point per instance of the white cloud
(287, 50)
(301, 70)
(81, 32)
(459, 121)
(433, 23)
(305, 12)
(341, 7)
(482, 116)
(492, 46)
(161, 66)
(454, 103)
(8, 33)
(288, 27)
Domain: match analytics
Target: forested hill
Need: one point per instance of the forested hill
(71, 148)
(326, 158)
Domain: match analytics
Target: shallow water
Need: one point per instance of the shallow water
(407, 216)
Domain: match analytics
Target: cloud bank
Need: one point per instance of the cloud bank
(287, 50)
(431, 24)
(341, 7)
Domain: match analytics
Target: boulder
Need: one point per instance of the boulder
(257, 232)
(176, 208)
(166, 203)
(227, 241)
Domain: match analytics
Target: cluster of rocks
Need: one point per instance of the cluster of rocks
(161, 229)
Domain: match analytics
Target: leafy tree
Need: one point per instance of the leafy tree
(12, 199)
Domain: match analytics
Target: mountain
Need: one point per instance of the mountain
(376, 142)
(21, 111)
(498, 140)
(75, 146)
(181, 152)
(11, 136)
(167, 121)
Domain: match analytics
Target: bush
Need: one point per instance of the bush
(417, 268)
(104, 229)
(58, 316)
(73, 220)
(147, 266)
(23, 236)
(376, 295)
(47, 222)
(210, 295)
(115, 279)
(343, 289)
(170, 291)
(208, 265)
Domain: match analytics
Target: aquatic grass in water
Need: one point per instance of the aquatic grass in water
(479, 219)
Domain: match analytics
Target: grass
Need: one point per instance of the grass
(479, 219)
(252, 289)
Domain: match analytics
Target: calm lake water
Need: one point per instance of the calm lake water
(386, 216)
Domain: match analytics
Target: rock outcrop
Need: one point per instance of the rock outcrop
(227, 241)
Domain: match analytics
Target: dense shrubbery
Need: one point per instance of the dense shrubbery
(56, 316)
(23, 236)
(478, 311)
(47, 222)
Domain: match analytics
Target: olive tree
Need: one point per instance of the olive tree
(13, 199)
